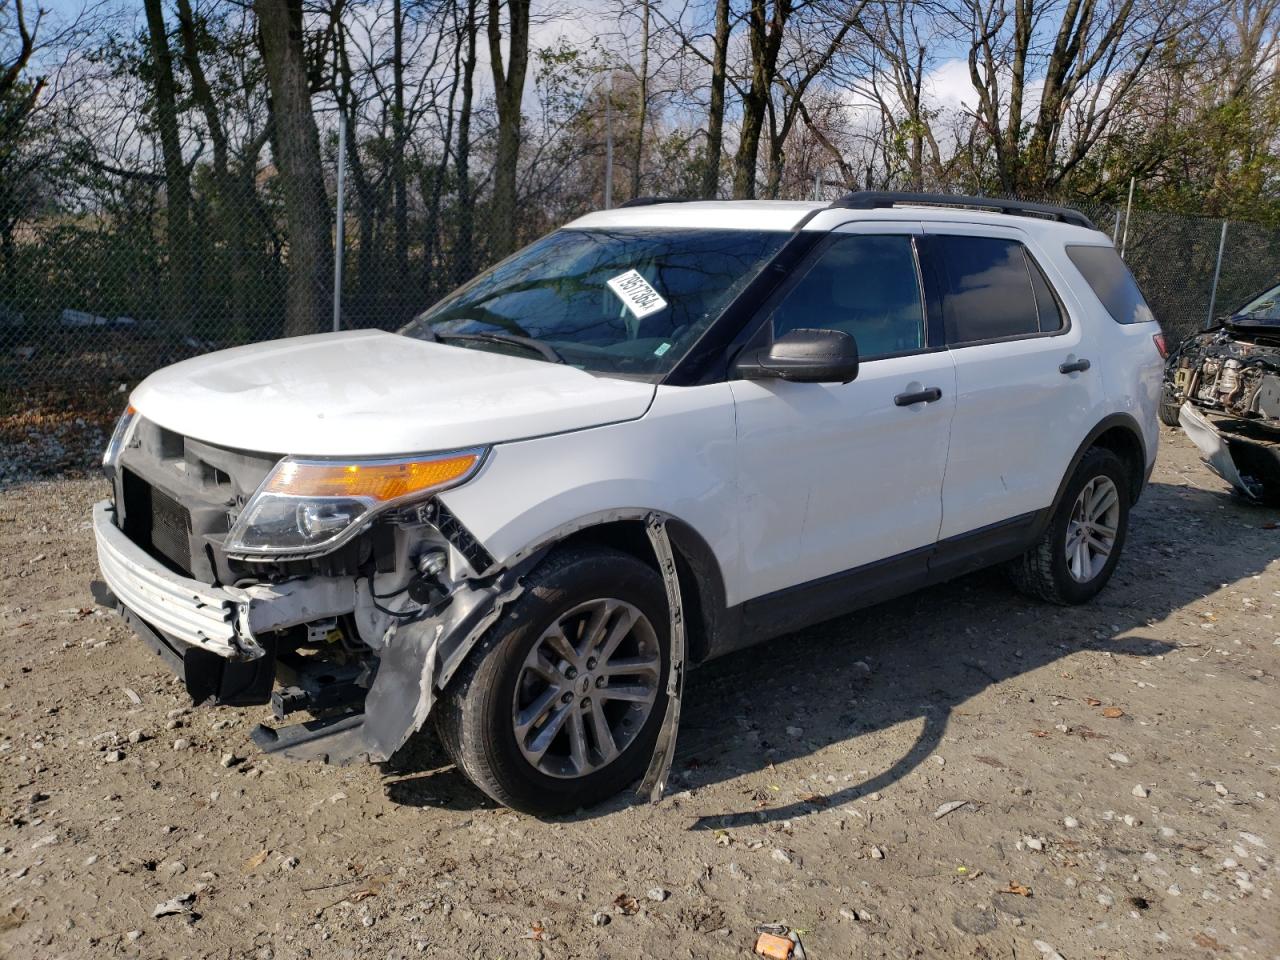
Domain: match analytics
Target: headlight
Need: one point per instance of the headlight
(119, 437)
(305, 506)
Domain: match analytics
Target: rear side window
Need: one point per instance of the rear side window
(993, 290)
(1111, 282)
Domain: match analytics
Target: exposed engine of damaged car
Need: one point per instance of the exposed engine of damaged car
(1226, 382)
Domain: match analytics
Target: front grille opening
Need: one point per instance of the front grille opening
(157, 523)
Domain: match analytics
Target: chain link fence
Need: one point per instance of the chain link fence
(96, 290)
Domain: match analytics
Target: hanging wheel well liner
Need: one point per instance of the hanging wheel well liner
(701, 584)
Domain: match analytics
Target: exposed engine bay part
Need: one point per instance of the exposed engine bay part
(1230, 370)
(1225, 385)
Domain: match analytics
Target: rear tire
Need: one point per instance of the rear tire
(1067, 565)
(1168, 412)
(522, 670)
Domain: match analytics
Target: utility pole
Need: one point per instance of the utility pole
(1128, 213)
(1217, 272)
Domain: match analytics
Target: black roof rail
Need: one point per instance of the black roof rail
(877, 199)
(650, 201)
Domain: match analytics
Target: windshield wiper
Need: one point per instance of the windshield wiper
(540, 347)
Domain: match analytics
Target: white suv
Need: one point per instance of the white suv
(659, 434)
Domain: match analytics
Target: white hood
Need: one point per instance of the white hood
(370, 393)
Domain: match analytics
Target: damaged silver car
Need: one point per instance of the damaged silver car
(1222, 386)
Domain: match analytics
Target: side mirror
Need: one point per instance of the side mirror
(803, 356)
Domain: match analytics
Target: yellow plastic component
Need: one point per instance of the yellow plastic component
(377, 481)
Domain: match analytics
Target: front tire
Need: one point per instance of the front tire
(1077, 554)
(559, 706)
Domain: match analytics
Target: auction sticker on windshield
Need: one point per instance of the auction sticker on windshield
(634, 291)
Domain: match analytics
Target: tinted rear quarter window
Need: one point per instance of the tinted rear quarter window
(993, 290)
(1111, 282)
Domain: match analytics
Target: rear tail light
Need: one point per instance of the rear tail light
(1161, 346)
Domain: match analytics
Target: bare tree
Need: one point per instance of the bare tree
(296, 143)
(715, 114)
(467, 29)
(805, 58)
(1097, 51)
(508, 86)
(182, 259)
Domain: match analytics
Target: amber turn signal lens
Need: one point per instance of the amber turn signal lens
(376, 481)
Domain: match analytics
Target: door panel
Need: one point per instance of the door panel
(835, 476)
(1018, 418)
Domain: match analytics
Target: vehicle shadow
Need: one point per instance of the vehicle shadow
(914, 660)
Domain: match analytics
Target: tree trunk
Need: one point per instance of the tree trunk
(766, 31)
(181, 294)
(464, 256)
(642, 108)
(230, 215)
(715, 119)
(399, 139)
(297, 157)
(744, 163)
(508, 85)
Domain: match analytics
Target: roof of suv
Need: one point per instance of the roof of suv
(791, 214)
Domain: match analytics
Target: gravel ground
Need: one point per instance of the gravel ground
(1118, 765)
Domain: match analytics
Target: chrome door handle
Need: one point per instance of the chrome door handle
(920, 396)
(1075, 366)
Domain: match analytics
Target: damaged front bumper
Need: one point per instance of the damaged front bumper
(223, 621)
(223, 642)
(1243, 452)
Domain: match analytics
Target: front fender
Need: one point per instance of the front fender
(678, 461)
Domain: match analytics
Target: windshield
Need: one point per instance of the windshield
(628, 301)
(1265, 307)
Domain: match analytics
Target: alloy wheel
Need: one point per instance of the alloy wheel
(1091, 531)
(586, 688)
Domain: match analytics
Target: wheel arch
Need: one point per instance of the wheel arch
(702, 589)
(1121, 434)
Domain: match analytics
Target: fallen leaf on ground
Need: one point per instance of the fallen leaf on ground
(1039, 733)
(1093, 701)
(989, 761)
(1207, 942)
(13, 919)
(537, 932)
(817, 799)
(1016, 888)
(372, 889)
(257, 860)
(1113, 713)
(627, 904)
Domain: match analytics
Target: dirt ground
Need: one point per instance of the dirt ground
(1119, 761)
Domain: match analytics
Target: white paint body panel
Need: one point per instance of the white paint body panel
(678, 458)
(369, 393)
(784, 482)
(834, 476)
(703, 215)
(1019, 420)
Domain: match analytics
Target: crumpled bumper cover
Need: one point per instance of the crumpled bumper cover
(224, 621)
(1243, 453)
(192, 612)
